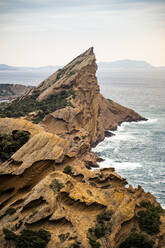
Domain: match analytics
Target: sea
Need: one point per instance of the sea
(137, 151)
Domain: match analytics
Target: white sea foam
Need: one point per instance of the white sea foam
(119, 165)
(124, 124)
(120, 128)
(122, 136)
(152, 120)
(126, 165)
(106, 163)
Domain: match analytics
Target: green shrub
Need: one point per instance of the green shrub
(9, 235)
(56, 185)
(89, 192)
(94, 243)
(149, 205)
(63, 236)
(105, 216)
(67, 170)
(10, 211)
(10, 143)
(28, 238)
(75, 245)
(137, 240)
(102, 228)
(149, 220)
(22, 107)
(99, 231)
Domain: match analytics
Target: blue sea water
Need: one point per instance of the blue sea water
(137, 151)
(32, 78)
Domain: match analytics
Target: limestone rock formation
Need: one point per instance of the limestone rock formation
(47, 184)
(91, 114)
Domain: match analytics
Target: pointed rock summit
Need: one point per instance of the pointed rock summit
(90, 114)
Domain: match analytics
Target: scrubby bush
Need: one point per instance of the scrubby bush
(67, 170)
(56, 185)
(94, 243)
(102, 228)
(137, 240)
(9, 235)
(89, 192)
(149, 219)
(105, 216)
(10, 211)
(64, 236)
(22, 107)
(75, 245)
(10, 143)
(100, 231)
(28, 238)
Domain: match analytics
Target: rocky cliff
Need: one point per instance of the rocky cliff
(47, 184)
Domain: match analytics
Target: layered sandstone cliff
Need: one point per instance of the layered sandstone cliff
(47, 181)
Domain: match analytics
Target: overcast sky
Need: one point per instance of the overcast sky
(52, 32)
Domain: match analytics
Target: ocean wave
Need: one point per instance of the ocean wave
(106, 163)
(126, 165)
(121, 136)
(150, 120)
(125, 124)
(119, 165)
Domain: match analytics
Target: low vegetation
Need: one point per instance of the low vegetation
(22, 107)
(149, 219)
(68, 170)
(137, 240)
(10, 211)
(10, 143)
(28, 238)
(64, 236)
(102, 228)
(56, 186)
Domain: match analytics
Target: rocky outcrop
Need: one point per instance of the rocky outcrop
(11, 91)
(47, 183)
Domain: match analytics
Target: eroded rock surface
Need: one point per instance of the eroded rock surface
(48, 182)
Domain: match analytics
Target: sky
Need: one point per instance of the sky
(53, 32)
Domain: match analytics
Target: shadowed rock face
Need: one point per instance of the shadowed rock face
(47, 181)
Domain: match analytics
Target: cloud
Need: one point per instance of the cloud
(7, 6)
(42, 27)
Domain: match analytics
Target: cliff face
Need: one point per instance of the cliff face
(47, 181)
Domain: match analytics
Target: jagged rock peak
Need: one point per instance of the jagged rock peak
(89, 112)
(69, 71)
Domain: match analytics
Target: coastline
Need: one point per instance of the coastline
(115, 156)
